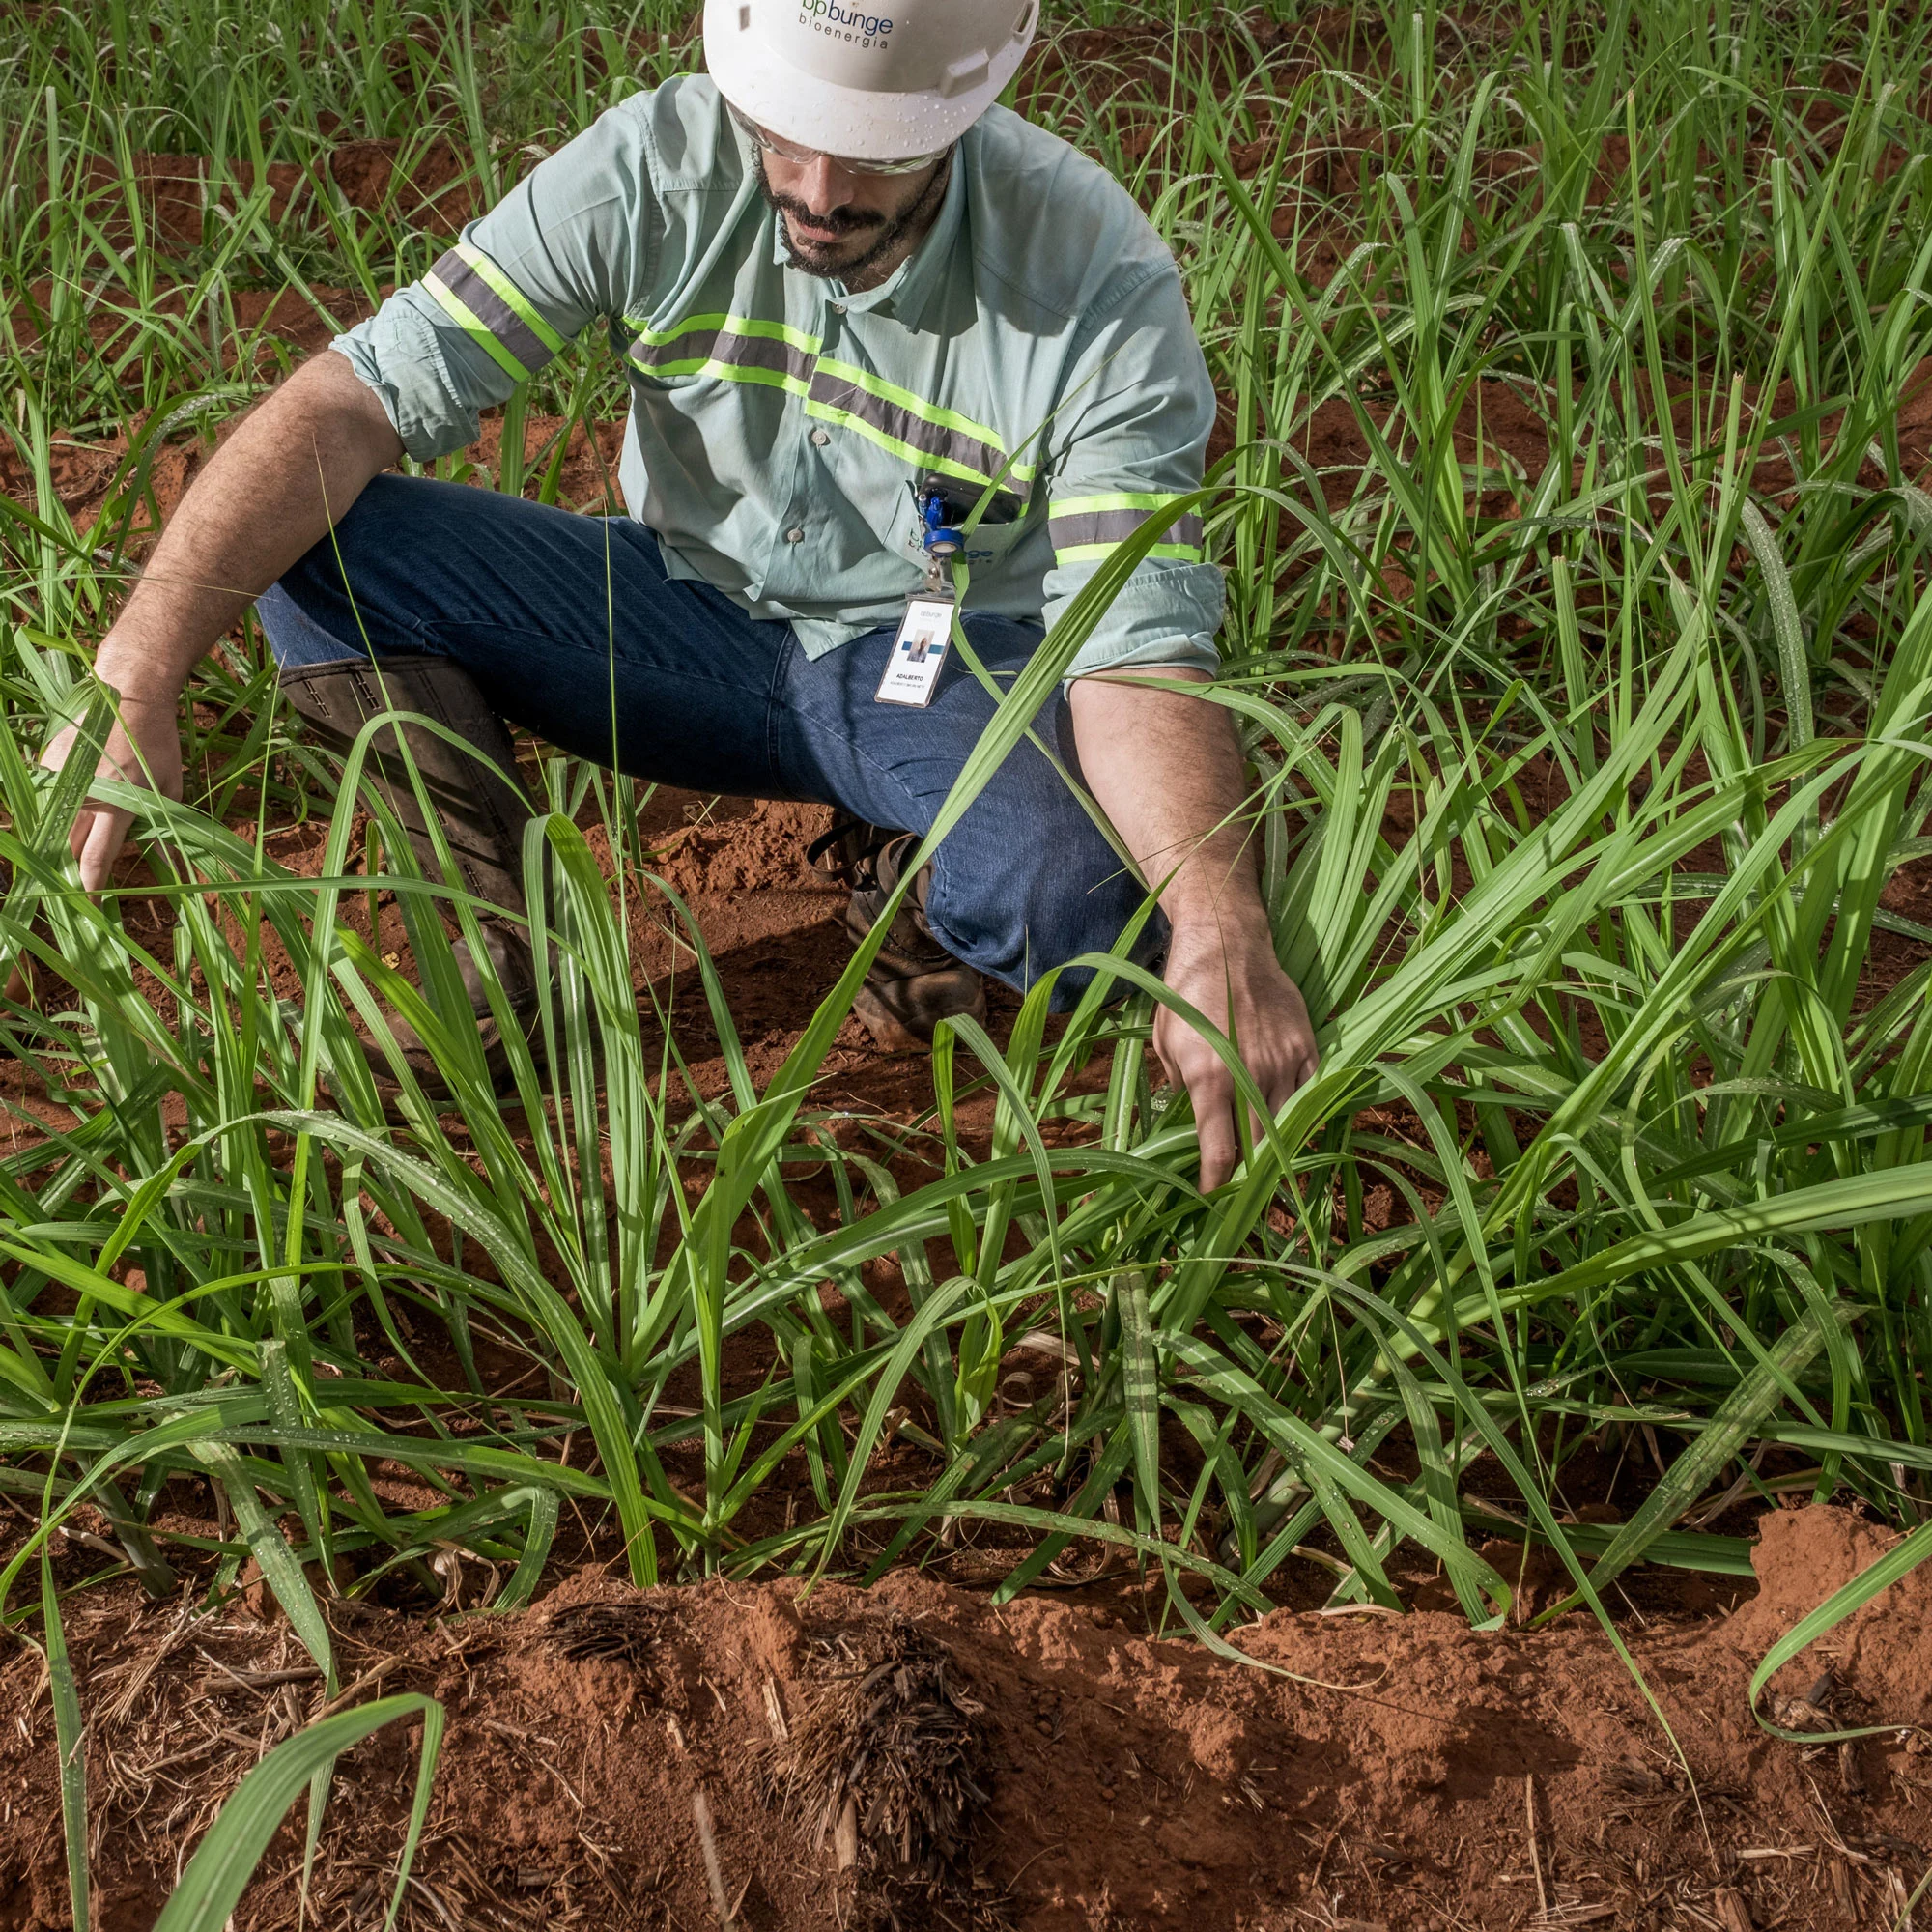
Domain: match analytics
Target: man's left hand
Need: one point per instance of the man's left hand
(1232, 977)
(1167, 769)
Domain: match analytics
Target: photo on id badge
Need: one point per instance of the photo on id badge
(919, 653)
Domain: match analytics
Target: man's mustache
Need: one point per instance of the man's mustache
(841, 220)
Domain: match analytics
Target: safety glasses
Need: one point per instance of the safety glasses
(790, 150)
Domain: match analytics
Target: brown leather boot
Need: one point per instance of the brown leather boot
(912, 981)
(482, 814)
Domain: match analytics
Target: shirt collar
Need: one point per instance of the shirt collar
(905, 293)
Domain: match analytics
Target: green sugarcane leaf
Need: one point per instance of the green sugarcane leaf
(70, 1742)
(1794, 668)
(897, 1366)
(539, 1533)
(1141, 1382)
(1900, 1560)
(1710, 1451)
(280, 1569)
(223, 1862)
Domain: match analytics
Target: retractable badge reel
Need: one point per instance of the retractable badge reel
(925, 631)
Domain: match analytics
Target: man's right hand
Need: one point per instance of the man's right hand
(143, 749)
(294, 464)
(298, 461)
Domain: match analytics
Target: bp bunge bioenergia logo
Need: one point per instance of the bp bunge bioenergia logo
(851, 25)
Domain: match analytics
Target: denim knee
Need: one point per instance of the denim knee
(1017, 914)
(295, 638)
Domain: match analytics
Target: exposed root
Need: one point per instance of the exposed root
(888, 1759)
(628, 1633)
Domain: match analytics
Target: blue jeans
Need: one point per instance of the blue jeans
(570, 628)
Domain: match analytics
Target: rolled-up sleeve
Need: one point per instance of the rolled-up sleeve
(1130, 441)
(516, 288)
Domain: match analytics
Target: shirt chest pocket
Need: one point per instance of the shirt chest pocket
(998, 528)
(990, 543)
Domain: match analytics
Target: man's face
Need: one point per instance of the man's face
(837, 221)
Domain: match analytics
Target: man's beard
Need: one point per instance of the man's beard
(888, 231)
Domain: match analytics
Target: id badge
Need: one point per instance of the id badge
(918, 652)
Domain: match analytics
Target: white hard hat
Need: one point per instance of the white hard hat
(872, 80)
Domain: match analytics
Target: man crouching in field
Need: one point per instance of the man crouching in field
(857, 300)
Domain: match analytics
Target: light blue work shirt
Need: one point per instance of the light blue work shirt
(1037, 339)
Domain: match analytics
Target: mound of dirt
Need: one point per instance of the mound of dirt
(1884, 1655)
(767, 1758)
(434, 186)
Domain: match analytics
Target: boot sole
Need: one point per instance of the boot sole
(896, 1030)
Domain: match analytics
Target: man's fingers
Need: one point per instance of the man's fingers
(99, 834)
(1213, 1096)
(1175, 1048)
(1216, 1106)
(1277, 1043)
(1219, 1149)
(1168, 1071)
(1294, 1072)
(1277, 1096)
(1280, 1074)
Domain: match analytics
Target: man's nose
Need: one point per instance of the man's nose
(823, 185)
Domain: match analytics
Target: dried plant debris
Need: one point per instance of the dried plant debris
(628, 1633)
(889, 1761)
(1811, 1711)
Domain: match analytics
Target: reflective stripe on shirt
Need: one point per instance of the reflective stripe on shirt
(489, 307)
(922, 432)
(1084, 527)
(734, 347)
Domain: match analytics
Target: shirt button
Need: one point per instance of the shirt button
(838, 308)
(819, 437)
(794, 537)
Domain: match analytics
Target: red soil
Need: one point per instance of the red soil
(1410, 1773)
(180, 193)
(85, 475)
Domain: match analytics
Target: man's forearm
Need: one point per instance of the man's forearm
(272, 491)
(1166, 769)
